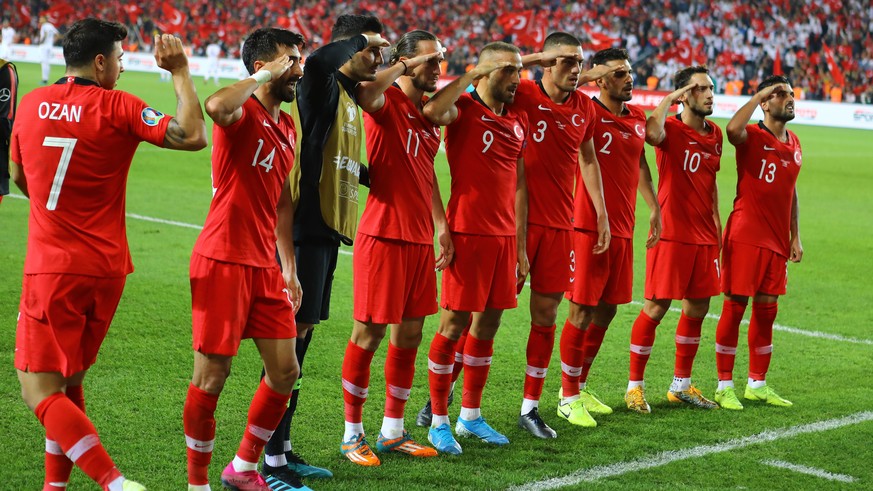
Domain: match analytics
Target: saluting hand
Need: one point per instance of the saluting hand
(413, 63)
(599, 71)
(279, 66)
(487, 67)
(169, 53)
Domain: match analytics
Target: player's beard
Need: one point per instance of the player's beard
(783, 116)
(424, 85)
(285, 93)
(701, 111)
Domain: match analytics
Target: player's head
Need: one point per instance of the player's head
(502, 83)
(362, 67)
(265, 45)
(699, 99)
(417, 43)
(780, 104)
(92, 47)
(619, 84)
(565, 73)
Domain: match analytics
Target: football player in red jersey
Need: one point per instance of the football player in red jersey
(561, 146)
(684, 264)
(487, 215)
(78, 257)
(601, 282)
(237, 289)
(761, 235)
(394, 277)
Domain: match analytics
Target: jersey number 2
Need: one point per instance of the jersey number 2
(67, 144)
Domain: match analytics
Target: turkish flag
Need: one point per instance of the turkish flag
(172, 19)
(532, 37)
(777, 63)
(58, 12)
(24, 15)
(297, 26)
(133, 12)
(836, 73)
(683, 52)
(516, 22)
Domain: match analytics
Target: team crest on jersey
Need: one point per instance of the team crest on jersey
(518, 132)
(351, 112)
(151, 117)
(718, 149)
(797, 157)
(639, 130)
(581, 120)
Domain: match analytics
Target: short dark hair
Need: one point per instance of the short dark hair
(348, 26)
(499, 46)
(263, 45)
(683, 76)
(609, 54)
(407, 45)
(90, 37)
(560, 38)
(773, 80)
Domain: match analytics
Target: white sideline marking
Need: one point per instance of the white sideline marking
(604, 471)
(777, 327)
(812, 471)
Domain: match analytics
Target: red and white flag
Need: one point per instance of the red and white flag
(836, 73)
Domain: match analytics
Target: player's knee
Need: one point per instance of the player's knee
(283, 377)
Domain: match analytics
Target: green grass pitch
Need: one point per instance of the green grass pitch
(136, 390)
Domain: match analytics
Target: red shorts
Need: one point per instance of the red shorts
(63, 320)
(548, 250)
(482, 275)
(748, 270)
(393, 280)
(606, 277)
(231, 302)
(677, 270)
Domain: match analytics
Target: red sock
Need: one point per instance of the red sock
(459, 351)
(76, 435)
(593, 339)
(642, 340)
(477, 363)
(687, 342)
(727, 333)
(57, 466)
(540, 343)
(356, 381)
(265, 413)
(399, 372)
(198, 419)
(761, 339)
(439, 373)
(572, 342)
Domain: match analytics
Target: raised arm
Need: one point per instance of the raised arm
(285, 245)
(647, 189)
(655, 124)
(590, 170)
(225, 106)
(186, 131)
(441, 224)
(441, 108)
(736, 127)
(371, 95)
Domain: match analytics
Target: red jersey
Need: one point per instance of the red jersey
(767, 171)
(552, 156)
(75, 141)
(401, 146)
(618, 142)
(483, 151)
(251, 160)
(687, 164)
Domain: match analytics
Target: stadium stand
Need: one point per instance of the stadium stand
(825, 47)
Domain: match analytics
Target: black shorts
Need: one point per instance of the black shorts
(316, 263)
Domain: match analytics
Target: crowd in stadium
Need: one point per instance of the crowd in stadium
(736, 39)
